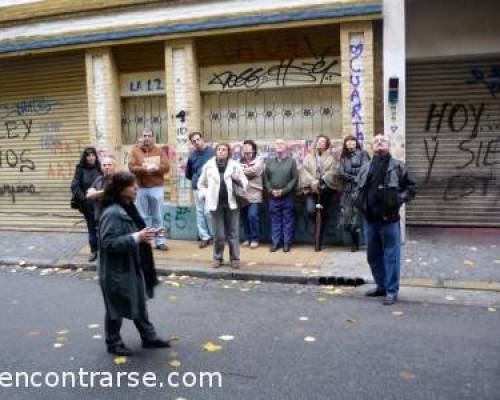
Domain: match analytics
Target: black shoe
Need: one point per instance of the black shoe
(317, 248)
(204, 243)
(355, 241)
(119, 350)
(162, 247)
(155, 344)
(275, 247)
(375, 293)
(93, 256)
(390, 299)
(286, 248)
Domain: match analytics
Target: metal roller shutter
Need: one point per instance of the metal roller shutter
(43, 129)
(453, 142)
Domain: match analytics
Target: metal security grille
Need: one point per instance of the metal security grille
(300, 113)
(144, 112)
(453, 142)
(43, 130)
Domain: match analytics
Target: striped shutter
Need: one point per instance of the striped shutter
(43, 130)
(453, 142)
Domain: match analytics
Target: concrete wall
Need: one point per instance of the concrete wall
(444, 28)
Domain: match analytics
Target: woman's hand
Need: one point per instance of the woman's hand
(147, 235)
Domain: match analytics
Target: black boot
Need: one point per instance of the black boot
(354, 241)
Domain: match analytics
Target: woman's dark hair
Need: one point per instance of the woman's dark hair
(328, 142)
(254, 148)
(114, 187)
(85, 153)
(344, 147)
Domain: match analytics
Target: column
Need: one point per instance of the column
(184, 109)
(357, 87)
(103, 101)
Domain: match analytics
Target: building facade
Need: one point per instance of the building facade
(72, 77)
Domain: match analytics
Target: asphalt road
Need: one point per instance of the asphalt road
(431, 345)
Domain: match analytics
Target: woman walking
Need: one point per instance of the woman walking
(126, 265)
(253, 168)
(220, 178)
(86, 172)
(351, 161)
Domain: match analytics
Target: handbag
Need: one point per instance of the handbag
(75, 202)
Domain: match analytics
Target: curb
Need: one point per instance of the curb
(269, 276)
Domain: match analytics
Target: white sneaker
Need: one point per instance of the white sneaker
(246, 243)
(254, 244)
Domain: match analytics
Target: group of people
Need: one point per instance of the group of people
(123, 212)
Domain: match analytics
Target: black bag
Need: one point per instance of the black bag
(75, 202)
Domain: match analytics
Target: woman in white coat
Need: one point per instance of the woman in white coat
(217, 184)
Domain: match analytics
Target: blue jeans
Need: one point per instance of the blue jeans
(203, 218)
(149, 202)
(384, 254)
(251, 221)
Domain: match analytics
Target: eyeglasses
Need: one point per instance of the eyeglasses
(380, 140)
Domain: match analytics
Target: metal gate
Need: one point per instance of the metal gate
(298, 113)
(453, 142)
(144, 112)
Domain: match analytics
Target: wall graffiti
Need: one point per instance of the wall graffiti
(473, 169)
(12, 190)
(27, 107)
(288, 72)
(491, 81)
(356, 49)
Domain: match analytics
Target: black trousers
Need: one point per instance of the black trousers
(88, 214)
(112, 329)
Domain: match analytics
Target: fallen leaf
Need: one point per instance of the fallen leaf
(93, 326)
(33, 333)
(450, 298)
(408, 260)
(473, 248)
(497, 261)
(492, 309)
(173, 354)
(63, 332)
(469, 263)
(244, 289)
(309, 339)
(172, 298)
(227, 287)
(60, 339)
(251, 263)
(175, 364)
(226, 338)
(120, 360)
(406, 375)
(173, 338)
(211, 347)
(31, 248)
(351, 320)
(64, 271)
(97, 337)
(304, 318)
(79, 270)
(22, 262)
(58, 345)
(175, 284)
(321, 299)
(397, 313)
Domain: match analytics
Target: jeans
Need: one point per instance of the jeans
(282, 219)
(384, 254)
(226, 226)
(150, 205)
(203, 217)
(251, 221)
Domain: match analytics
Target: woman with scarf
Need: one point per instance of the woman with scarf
(351, 161)
(220, 178)
(126, 266)
(86, 172)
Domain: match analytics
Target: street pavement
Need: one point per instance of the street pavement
(277, 341)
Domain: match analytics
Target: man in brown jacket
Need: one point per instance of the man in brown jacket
(149, 164)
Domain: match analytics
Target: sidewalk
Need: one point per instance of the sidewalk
(432, 257)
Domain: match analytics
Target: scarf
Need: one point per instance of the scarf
(146, 260)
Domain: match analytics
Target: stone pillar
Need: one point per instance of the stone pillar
(103, 101)
(184, 109)
(357, 86)
(395, 67)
